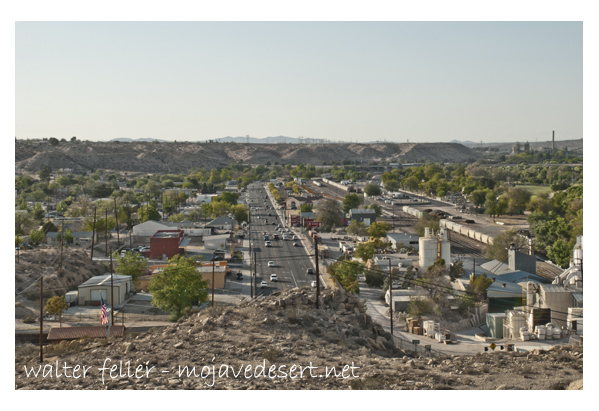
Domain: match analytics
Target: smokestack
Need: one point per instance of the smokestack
(553, 141)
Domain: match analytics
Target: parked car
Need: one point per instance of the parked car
(273, 277)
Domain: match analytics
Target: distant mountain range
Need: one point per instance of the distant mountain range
(138, 140)
(275, 140)
(466, 143)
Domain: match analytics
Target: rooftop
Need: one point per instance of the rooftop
(167, 234)
(104, 280)
(73, 333)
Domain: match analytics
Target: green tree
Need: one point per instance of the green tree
(177, 287)
(147, 213)
(478, 197)
(62, 207)
(56, 306)
(456, 270)
(306, 208)
(517, 198)
(37, 213)
(36, 236)
(328, 211)
(346, 274)
(364, 251)
(133, 264)
(229, 197)
(220, 208)
(478, 286)
(377, 209)
(357, 228)
(378, 229)
(372, 190)
(420, 306)
(240, 213)
(498, 250)
(560, 252)
(352, 201)
(22, 222)
(374, 277)
(44, 173)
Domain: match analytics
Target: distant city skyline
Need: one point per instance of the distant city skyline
(340, 81)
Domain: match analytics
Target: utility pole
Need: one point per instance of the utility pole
(317, 271)
(42, 319)
(390, 298)
(106, 232)
(61, 242)
(251, 280)
(213, 279)
(93, 234)
(255, 276)
(111, 291)
(116, 217)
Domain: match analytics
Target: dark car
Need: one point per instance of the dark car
(309, 271)
(239, 276)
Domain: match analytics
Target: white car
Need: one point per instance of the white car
(271, 263)
(263, 284)
(268, 244)
(313, 284)
(273, 277)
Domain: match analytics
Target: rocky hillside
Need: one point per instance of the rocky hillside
(264, 344)
(32, 264)
(159, 157)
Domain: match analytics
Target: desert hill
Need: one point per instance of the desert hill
(160, 157)
(274, 334)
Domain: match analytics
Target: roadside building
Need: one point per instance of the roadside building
(100, 286)
(403, 240)
(77, 237)
(204, 268)
(148, 229)
(167, 243)
(364, 215)
(225, 223)
(214, 242)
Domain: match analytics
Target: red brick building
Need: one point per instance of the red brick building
(167, 243)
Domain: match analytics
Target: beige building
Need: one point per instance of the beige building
(93, 290)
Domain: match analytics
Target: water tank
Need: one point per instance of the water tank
(427, 252)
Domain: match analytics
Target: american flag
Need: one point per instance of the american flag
(104, 315)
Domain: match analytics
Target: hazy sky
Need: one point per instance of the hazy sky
(358, 81)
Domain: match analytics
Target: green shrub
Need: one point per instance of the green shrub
(29, 319)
